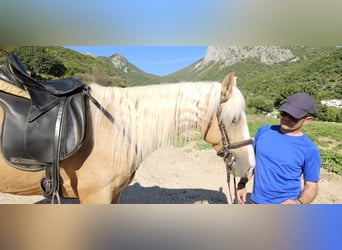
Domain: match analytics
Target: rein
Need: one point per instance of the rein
(227, 156)
(109, 117)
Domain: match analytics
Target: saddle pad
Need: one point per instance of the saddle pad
(12, 89)
(40, 132)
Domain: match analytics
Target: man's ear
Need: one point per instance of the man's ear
(308, 119)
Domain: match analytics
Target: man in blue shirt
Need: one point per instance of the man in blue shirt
(283, 155)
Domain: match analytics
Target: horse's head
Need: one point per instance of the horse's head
(227, 129)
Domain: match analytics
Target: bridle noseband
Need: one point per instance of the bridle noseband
(227, 156)
(224, 152)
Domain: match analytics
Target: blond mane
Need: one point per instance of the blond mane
(148, 117)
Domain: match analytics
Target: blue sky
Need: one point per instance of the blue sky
(170, 22)
(158, 60)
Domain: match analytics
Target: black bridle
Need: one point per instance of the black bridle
(227, 156)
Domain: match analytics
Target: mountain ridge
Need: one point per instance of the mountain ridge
(266, 71)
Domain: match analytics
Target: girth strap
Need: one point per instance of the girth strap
(50, 184)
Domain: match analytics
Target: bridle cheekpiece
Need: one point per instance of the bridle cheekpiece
(228, 156)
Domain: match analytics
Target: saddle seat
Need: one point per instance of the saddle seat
(59, 87)
(49, 127)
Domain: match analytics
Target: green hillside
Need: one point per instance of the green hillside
(316, 70)
(81, 66)
(319, 67)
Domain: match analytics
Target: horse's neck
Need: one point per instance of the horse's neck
(153, 115)
(168, 110)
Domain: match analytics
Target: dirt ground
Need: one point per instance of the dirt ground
(186, 175)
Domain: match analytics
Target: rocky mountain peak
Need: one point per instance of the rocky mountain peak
(119, 62)
(229, 55)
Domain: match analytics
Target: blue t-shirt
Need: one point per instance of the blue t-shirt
(280, 162)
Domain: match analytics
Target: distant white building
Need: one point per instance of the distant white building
(337, 103)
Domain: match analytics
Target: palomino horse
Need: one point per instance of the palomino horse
(145, 118)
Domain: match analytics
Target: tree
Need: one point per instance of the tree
(260, 103)
(38, 60)
(56, 68)
(329, 114)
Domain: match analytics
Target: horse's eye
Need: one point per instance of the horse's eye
(234, 121)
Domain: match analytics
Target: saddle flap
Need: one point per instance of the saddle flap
(41, 102)
(40, 136)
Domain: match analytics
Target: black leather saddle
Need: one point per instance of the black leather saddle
(49, 127)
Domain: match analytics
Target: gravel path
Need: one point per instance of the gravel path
(186, 176)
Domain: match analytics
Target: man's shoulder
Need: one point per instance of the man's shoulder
(269, 128)
(265, 130)
(264, 127)
(310, 143)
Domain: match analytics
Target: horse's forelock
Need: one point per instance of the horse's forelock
(234, 107)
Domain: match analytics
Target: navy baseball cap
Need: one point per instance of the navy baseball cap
(299, 105)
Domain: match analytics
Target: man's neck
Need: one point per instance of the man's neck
(296, 132)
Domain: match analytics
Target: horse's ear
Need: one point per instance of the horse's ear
(228, 83)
